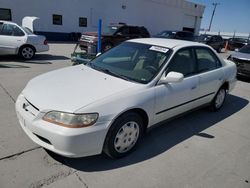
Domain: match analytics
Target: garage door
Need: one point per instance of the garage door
(189, 22)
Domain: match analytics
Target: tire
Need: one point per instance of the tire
(124, 135)
(27, 52)
(219, 99)
(106, 46)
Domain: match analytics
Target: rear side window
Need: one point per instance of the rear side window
(183, 62)
(1, 25)
(144, 31)
(134, 30)
(11, 30)
(206, 60)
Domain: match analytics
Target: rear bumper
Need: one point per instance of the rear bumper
(42, 48)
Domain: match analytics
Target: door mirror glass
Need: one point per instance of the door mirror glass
(172, 77)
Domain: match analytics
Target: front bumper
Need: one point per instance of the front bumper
(69, 142)
(89, 48)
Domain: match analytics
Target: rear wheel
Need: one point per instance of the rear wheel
(124, 135)
(27, 52)
(219, 99)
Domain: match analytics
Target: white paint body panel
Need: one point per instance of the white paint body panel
(9, 45)
(80, 89)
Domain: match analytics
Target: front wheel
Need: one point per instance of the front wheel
(123, 136)
(219, 99)
(27, 52)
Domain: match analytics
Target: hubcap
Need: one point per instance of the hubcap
(126, 137)
(220, 98)
(27, 52)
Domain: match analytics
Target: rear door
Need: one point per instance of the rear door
(11, 38)
(210, 73)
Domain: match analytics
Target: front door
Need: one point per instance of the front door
(175, 98)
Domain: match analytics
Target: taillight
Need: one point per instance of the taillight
(45, 42)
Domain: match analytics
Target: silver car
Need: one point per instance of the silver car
(242, 60)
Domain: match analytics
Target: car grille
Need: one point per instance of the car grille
(29, 107)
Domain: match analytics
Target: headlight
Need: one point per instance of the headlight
(71, 120)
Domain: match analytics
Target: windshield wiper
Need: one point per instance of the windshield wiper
(107, 71)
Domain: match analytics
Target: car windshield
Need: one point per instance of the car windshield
(245, 49)
(166, 34)
(27, 30)
(132, 61)
(110, 30)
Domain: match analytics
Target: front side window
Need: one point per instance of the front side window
(11, 30)
(183, 62)
(57, 19)
(5, 14)
(206, 60)
(132, 61)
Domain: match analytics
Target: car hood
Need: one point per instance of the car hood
(72, 88)
(239, 55)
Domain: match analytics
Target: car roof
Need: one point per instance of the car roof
(4, 21)
(167, 43)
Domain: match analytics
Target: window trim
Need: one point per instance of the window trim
(192, 50)
(80, 22)
(23, 33)
(9, 12)
(61, 16)
(218, 64)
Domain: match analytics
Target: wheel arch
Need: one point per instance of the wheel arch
(24, 45)
(142, 113)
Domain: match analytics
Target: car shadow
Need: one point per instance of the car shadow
(38, 59)
(161, 138)
(243, 79)
(12, 66)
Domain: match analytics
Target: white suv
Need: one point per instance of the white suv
(17, 40)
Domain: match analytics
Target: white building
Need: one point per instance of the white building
(61, 17)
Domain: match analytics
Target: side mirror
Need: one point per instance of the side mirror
(172, 77)
(236, 49)
(99, 53)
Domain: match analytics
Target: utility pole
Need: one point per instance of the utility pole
(215, 5)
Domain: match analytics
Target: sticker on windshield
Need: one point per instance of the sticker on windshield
(159, 49)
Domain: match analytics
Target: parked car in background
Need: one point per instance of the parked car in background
(236, 43)
(242, 60)
(120, 94)
(215, 41)
(181, 35)
(17, 40)
(111, 36)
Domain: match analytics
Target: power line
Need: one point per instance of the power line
(215, 5)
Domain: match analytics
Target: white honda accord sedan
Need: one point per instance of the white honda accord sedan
(107, 105)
